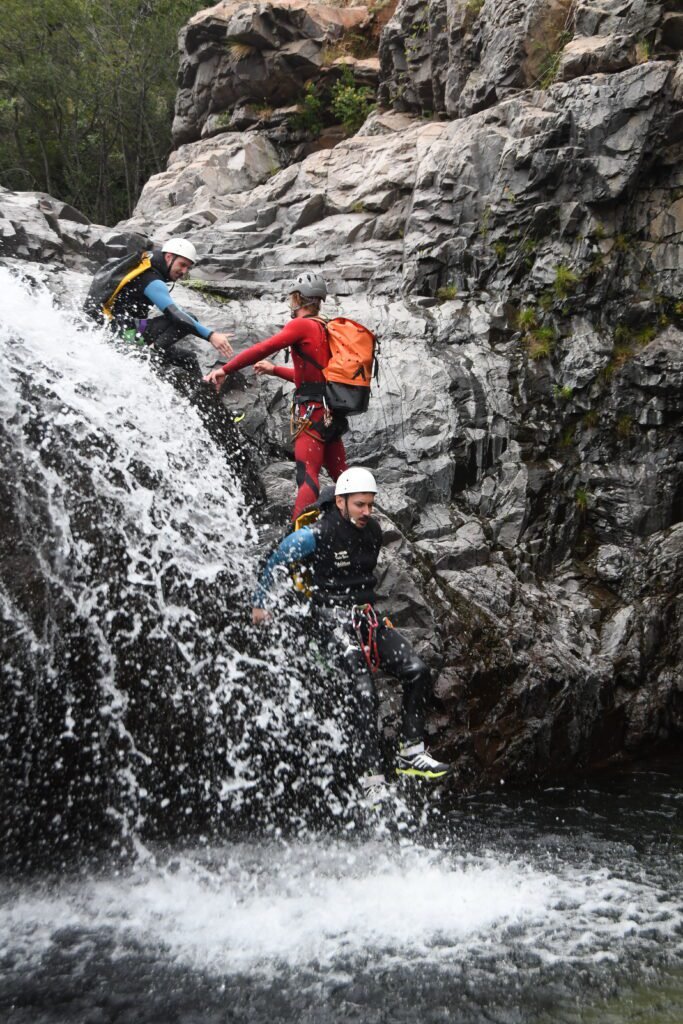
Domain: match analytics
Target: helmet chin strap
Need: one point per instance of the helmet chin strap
(171, 284)
(293, 310)
(349, 518)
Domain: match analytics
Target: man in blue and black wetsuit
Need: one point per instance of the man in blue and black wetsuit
(123, 293)
(340, 550)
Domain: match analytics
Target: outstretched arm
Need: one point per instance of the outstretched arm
(289, 334)
(159, 295)
(296, 547)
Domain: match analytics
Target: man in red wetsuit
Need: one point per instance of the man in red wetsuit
(317, 431)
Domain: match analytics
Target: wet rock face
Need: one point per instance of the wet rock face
(455, 59)
(236, 56)
(522, 266)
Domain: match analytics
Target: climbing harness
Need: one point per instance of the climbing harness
(364, 620)
(300, 424)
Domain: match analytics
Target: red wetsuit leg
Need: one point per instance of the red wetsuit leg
(335, 458)
(309, 453)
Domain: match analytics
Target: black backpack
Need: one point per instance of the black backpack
(107, 280)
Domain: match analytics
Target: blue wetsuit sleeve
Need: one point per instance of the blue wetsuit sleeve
(159, 295)
(296, 547)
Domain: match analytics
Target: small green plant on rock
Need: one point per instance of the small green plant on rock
(484, 226)
(540, 342)
(309, 117)
(447, 293)
(646, 334)
(527, 319)
(591, 419)
(472, 11)
(500, 249)
(565, 281)
(564, 392)
(643, 51)
(620, 356)
(622, 243)
(207, 290)
(581, 499)
(550, 64)
(567, 438)
(350, 104)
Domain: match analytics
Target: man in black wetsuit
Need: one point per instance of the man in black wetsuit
(340, 550)
(122, 293)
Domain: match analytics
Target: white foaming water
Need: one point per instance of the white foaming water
(196, 499)
(336, 906)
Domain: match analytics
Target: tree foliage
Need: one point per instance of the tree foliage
(86, 97)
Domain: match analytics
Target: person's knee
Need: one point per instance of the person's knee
(417, 672)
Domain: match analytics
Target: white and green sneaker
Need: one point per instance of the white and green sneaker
(415, 760)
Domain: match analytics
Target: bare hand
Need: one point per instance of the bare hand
(216, 377)
(259, 616)
(264, 366)
(221, 342)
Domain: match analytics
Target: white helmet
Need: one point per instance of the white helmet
(356, 481)
(180, 247)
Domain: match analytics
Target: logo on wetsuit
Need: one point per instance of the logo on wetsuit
(342, 560)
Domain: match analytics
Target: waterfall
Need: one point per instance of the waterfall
(137, 700)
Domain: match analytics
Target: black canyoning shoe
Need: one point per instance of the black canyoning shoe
(421, 764)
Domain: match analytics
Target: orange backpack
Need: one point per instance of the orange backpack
(353, 361)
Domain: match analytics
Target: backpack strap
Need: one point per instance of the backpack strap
(306, 358)
(303, 356)
(144, 264)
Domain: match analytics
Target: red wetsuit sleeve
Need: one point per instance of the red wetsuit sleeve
(262, 349)
(284, 373)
